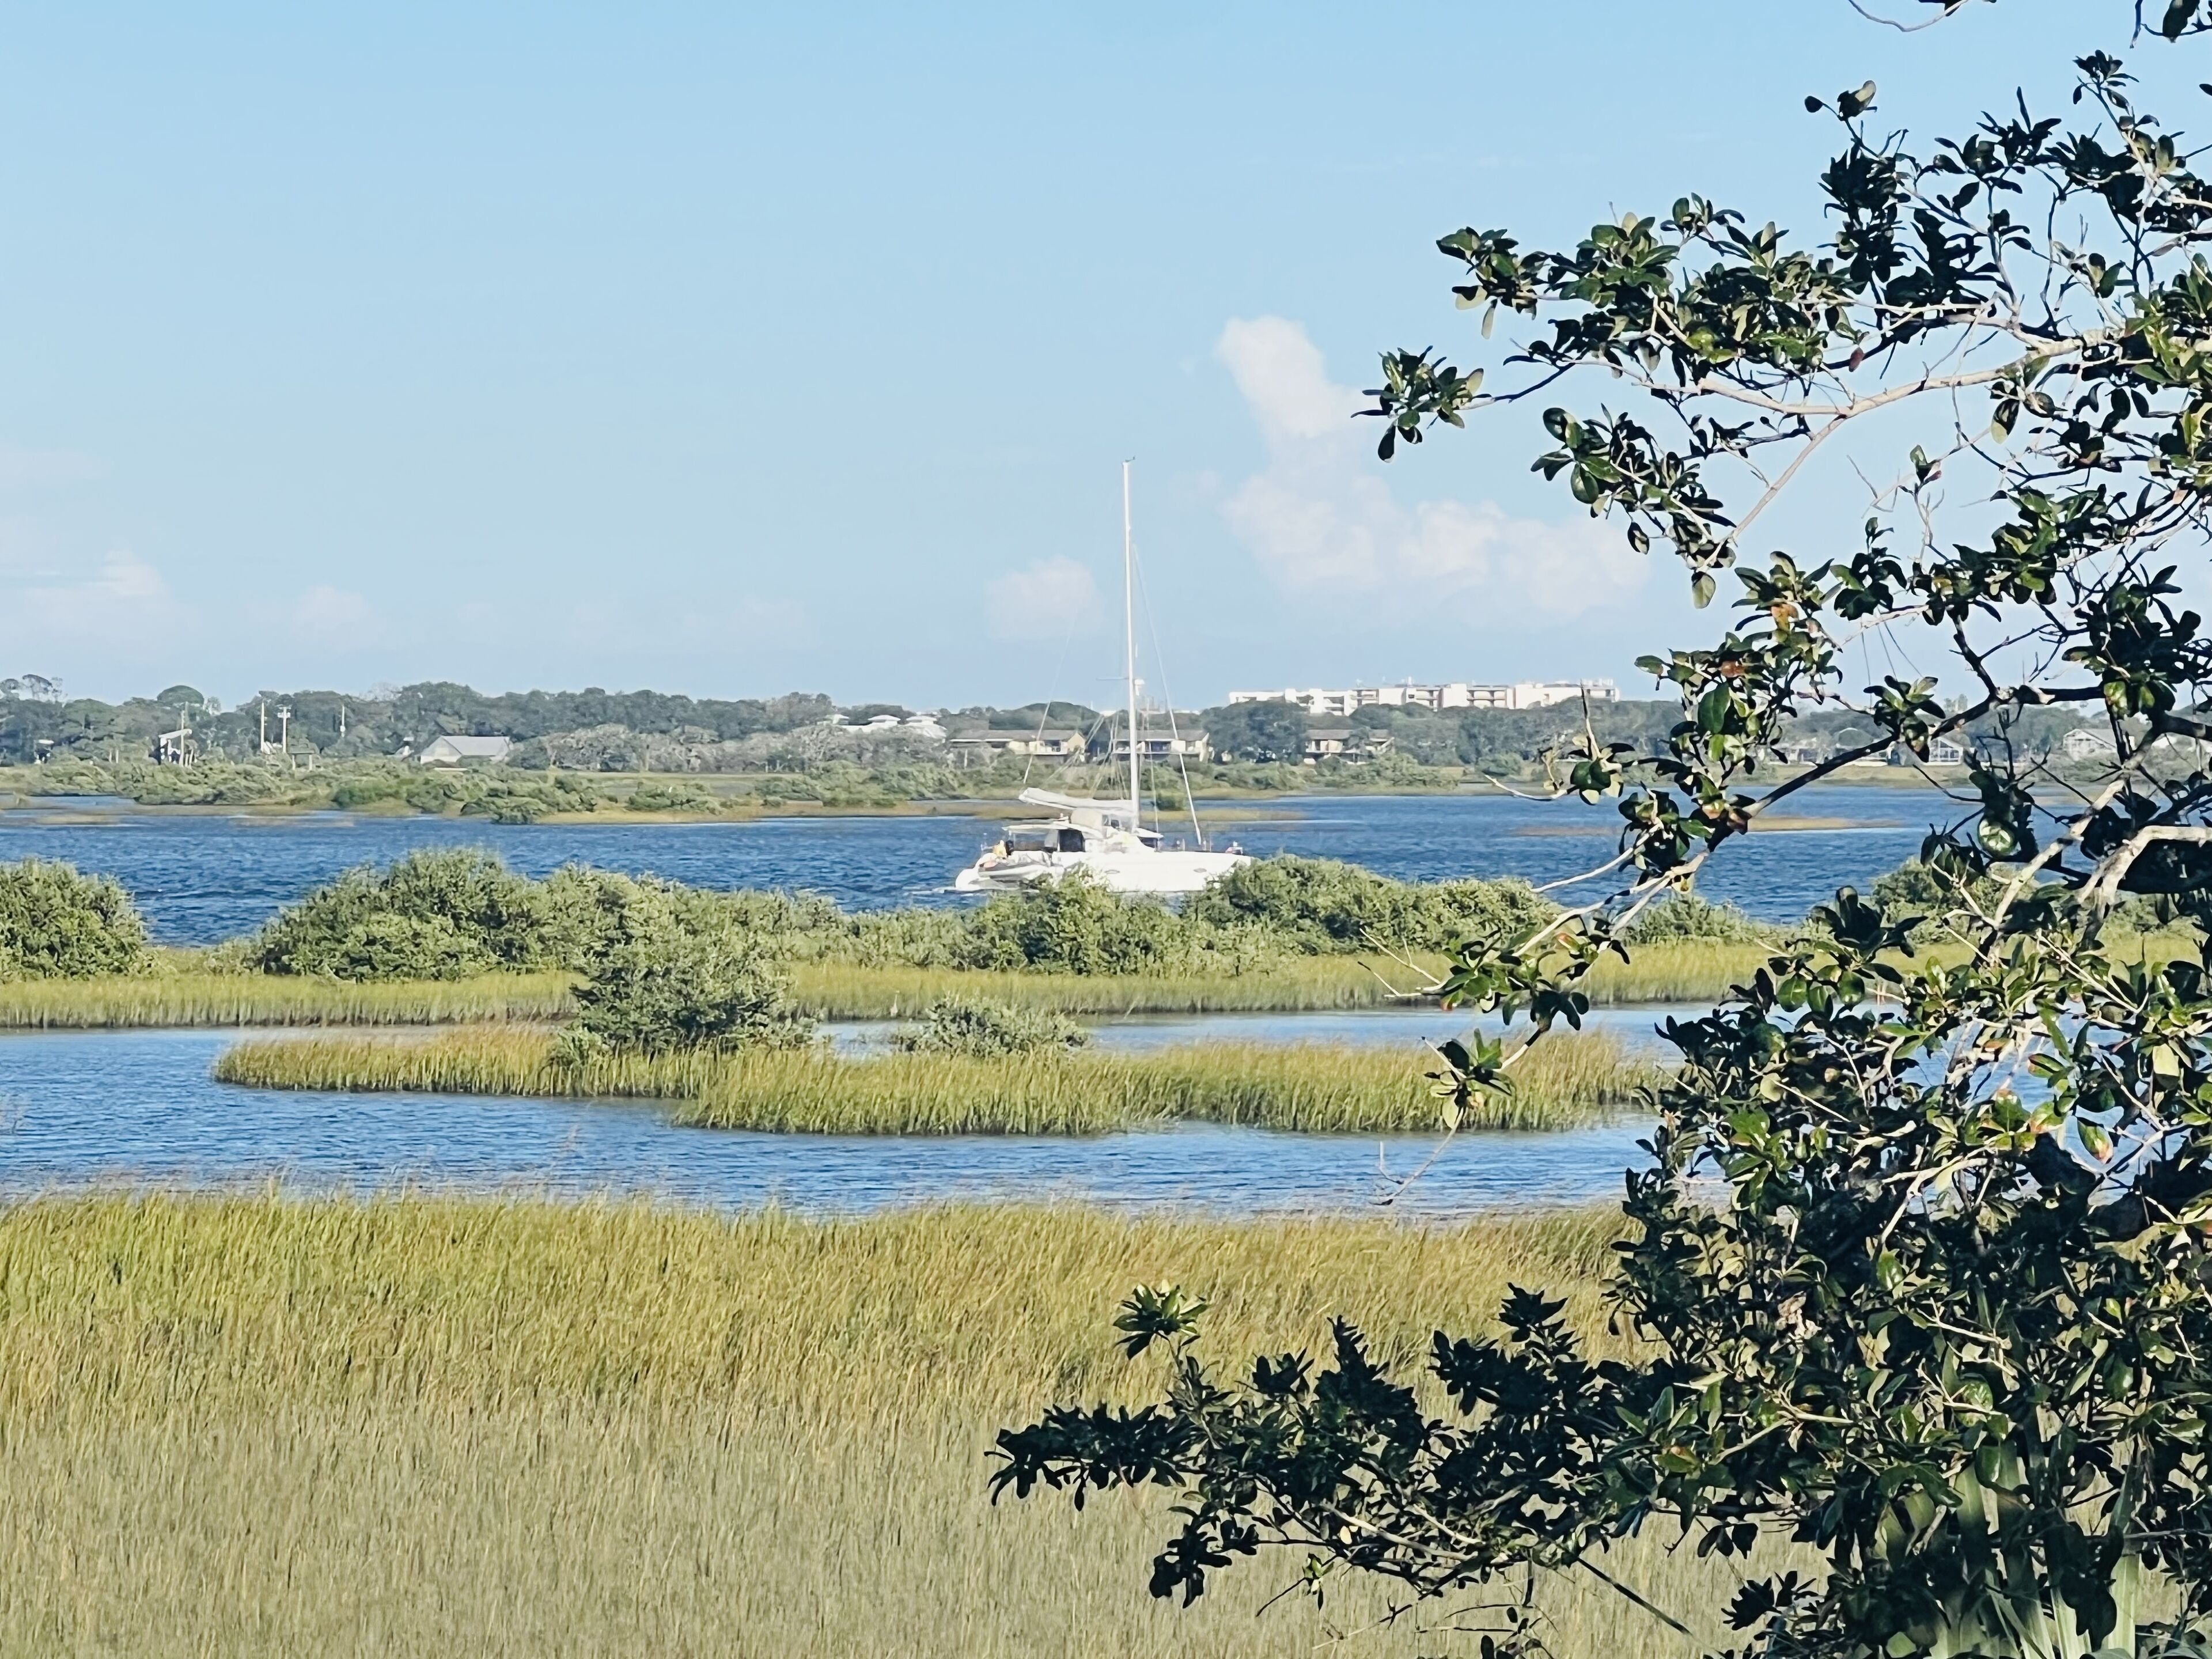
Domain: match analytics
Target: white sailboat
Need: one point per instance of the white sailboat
(1107, 840)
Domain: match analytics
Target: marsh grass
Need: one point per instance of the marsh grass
(1674, 970)
(261, 1426)
(1566, 1080)
(190, 999)
(840, 990)
(1688, 970)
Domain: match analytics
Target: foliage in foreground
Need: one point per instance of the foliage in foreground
(57, 924)
(1924, 1284)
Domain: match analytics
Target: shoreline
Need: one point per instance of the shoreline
(1570, 1082)
(1660, 975)
(52, 811)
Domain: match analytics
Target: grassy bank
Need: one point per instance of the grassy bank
(1690, 970)
(1693, 971)
(841, 990)
(261, 1427)
(1566, 1080)
(274, 999)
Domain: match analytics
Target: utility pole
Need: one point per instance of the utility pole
(1129, 646)
(284, 730)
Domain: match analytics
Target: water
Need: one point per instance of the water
(201, 878)
(138, 1109)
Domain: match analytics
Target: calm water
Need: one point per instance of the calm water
(201, 879)
(138, 1107)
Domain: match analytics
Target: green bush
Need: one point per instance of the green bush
(1686, 916)
(1921, 889)
(439, 915)
(656, 983)
(1075, 926)
(1323, 906)
(57, 924)
(670, 798)
(982, 1029)
(389, 945)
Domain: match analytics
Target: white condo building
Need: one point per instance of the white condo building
(1524, 694)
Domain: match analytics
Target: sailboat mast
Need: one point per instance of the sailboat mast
(1129, 644)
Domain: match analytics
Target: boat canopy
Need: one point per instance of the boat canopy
(1115, 814)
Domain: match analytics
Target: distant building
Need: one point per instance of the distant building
(176, 748)
(1049, 745)
(1164, 745)
(923, 725)
(1347, 743)
(2087, 742)
(1459, 693)
(456, 752)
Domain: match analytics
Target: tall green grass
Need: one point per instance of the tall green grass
(1677, 970)
(1565, 1080)
(263, 1427)
(1687, 970)
(274, 999)
(840, 990)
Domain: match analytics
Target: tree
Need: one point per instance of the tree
(1948, 1323)
(1272, 732)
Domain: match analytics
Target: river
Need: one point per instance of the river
(201, 878)
(139, 1107)
(138, 1110)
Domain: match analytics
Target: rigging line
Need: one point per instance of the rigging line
(1160, 662)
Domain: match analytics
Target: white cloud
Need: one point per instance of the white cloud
(54, 617)
(1047, 601)
(1322, 516)
(124, 587)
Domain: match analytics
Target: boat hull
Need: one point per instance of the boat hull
(1147, 872)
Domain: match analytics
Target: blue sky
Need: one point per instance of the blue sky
(737, 350)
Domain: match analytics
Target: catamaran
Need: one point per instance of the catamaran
(1107, 840)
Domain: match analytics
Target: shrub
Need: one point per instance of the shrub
(670, 798)
(432, 915)
(1076, 926)
(983, 1030)
(1920, 891)
(656, 984)
(388, 945)
(1325, 906)
(57, 924)
(1686, 916)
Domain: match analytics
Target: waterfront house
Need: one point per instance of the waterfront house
(457, 751)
